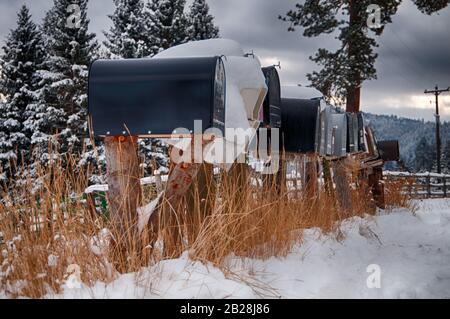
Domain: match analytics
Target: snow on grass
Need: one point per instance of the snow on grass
(412, 251)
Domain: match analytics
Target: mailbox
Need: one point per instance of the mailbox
(325, 131)
(389, 151)
(355, 133)
(300, 125)
(352, 133)
(270, 115)
(153, 97)
(362, 143)
(371, 143)
(339, 134)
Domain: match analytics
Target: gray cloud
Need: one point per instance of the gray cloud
(413, 55)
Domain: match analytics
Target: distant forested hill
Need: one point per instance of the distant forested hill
(407, 131)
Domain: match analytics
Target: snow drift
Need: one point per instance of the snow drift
(411, 251)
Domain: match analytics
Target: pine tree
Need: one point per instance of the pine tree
(167, 22)
(446, 158)
(62, 105)
(344, 70)
(130, 37)
(201, 22)
(22, 55)
(425, 156)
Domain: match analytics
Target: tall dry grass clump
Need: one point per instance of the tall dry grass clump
(254, 217)
(47, 226)
(396, 195)
(51, 231)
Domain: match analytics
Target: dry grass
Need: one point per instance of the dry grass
(395, 194)
(47, 225)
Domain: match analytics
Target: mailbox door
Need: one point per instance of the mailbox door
(299, 125)
(340, 138)
(362, 147)
(352, 133)
(272, 103)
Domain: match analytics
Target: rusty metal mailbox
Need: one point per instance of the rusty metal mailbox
(389, 151)
(153, 97)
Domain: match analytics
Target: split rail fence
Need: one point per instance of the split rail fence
(421, 185)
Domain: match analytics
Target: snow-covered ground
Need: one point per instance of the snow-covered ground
(409, 254)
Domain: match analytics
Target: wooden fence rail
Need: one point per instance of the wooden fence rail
(421, 185)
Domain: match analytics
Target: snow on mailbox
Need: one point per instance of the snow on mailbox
(300, 125)
(152, 97)
(246, 90)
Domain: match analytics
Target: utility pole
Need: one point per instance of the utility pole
(437, 92)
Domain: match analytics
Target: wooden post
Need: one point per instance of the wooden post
(377, 186)
(235, 186)
(445, 187)
(124, 197)
(200, 201)
(311, 181)
(329, 189)
(428, 179)
(171, 211)
(342, 184)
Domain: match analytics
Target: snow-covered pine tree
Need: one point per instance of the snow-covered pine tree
(22, 55)
(168, 22)
(64, 75)
(201, 22)
(130, 37)
(425, 156)
(446, 158)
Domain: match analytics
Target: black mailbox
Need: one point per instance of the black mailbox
(300, 125)
(153, 97)
(271, 110)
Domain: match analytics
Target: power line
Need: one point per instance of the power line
(413, 54)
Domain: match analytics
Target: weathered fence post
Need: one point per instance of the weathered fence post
(124, 196)
(377, 186)
(428, 181)
(329, 189)
(341, 180)
(200, 200)
(445, 186)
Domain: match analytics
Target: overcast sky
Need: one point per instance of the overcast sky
(414, 51)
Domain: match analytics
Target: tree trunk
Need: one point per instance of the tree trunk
(354, 93)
